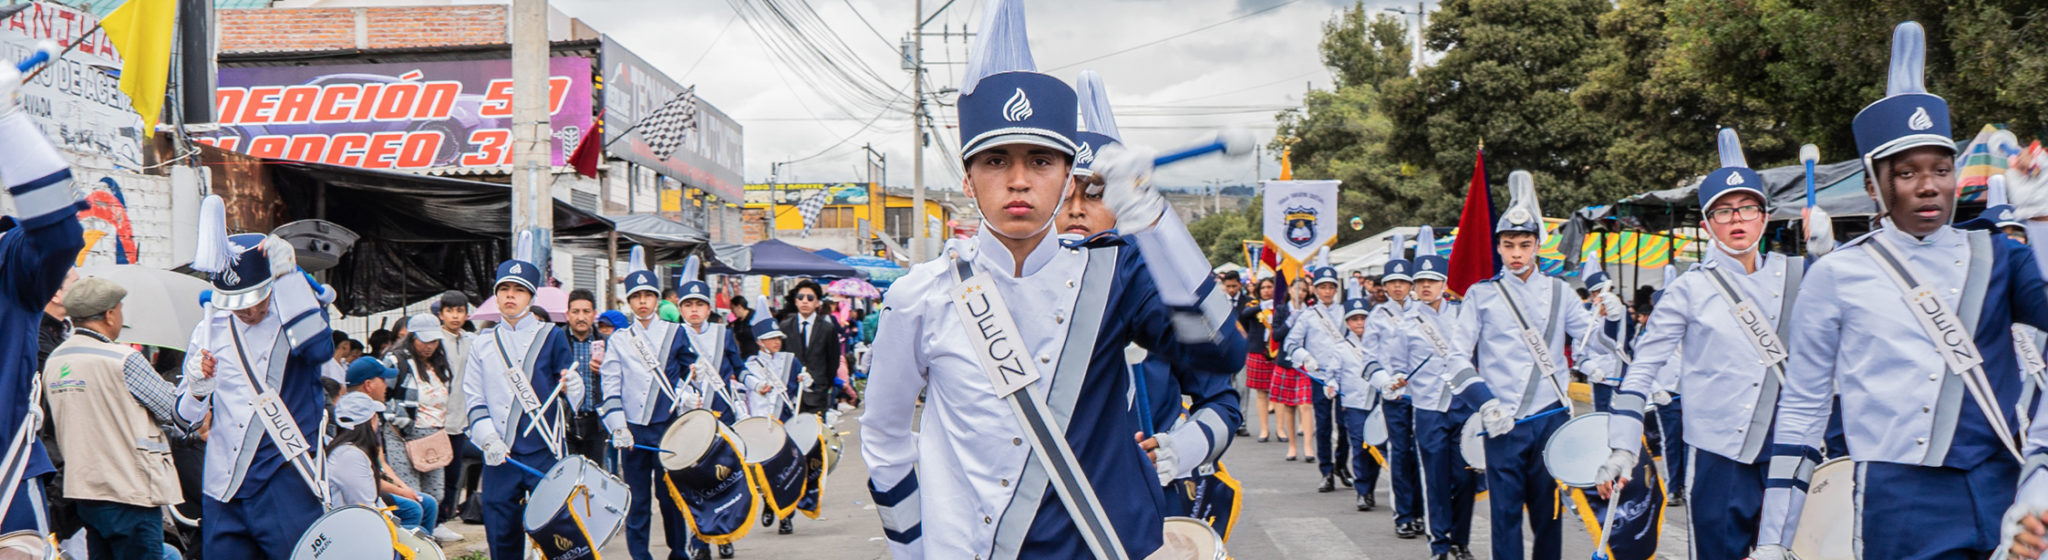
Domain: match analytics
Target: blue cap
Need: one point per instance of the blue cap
(1003, 98)
(519, 272)
(1432, 267)
(1398, 269)
(617, 319)
(1355, 307)
(1084, 156)
(697, 290)
(1733, 176)
(642, 281)
(1325, 275)
(1097, 117)
(366, 368)
(1908, 117)
(246, 280)
(1596, 280)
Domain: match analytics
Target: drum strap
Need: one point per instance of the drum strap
(1004, 359)
(18, 454)
(2027, 342)
(1951, 335)
(1539, 343)
(656, 374)
(1426, 324)
(520, 376)
(273, 418)
(1768, 341)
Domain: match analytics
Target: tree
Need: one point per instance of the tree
(1365, 53)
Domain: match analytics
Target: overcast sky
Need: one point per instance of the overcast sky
(1167, 94)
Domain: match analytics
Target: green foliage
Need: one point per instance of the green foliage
(1361, 52)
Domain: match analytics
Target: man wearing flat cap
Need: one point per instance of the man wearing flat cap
(105, 404)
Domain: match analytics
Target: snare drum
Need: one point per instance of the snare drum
(1576, 451)
(422, 546)
(1827, 523)
(576, 506)
(1187, 538)
(774, 463)
(1376, 427)
(820, 452)
(708, 476)
(26, 545)
(1471, 445)
(348, 533)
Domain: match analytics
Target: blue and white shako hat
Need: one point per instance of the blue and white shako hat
(1003, 97)
(1325, 275)
(1908, 117)
(1398, 268)
(235, 264)
(520, 270)
(638, 277)
(1733, 176)
(1356, 307)
(693, 288)
(1524, 213)
(1997, 209)
(1098, 123)
(1428, 266)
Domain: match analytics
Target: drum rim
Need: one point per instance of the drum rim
(748, 446)
(1804, 546)
(1479, 449)
(386, 524)
(688, 421)
(1591, 419)
(1214, 543)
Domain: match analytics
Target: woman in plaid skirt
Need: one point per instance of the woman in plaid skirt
(1258, 360)
(1290, 387)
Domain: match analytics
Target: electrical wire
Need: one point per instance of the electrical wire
(1171, 37)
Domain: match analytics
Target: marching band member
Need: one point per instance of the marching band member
(1039, 464)
(773, 378)
(264, 340)
(715, 375)
(515, 409)
(1912, 326)
(1724, 322)
(1601, 359)
(641, 381)
(2025, 524)
(1358, 407)
(1327, 353)
(1446, 390)
(36, 251)
(1403, 473)
(1519, 321)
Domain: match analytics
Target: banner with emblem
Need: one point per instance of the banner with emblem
(1300, 217)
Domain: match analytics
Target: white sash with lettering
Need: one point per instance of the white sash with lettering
(654, 372)
(1435, 337)
(1534, 340)
(277, 421)
(1951, 339)
(520, 377)
(1756, 328)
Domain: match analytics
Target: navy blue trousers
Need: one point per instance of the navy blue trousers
(1329, 453)
(1724, 517)
(266, 524)
(1402, 460)
(1894, 502)
(504, 504)
(1449, 483)
(1516, 479)
(1603, 397)
(1671, 436)
(1365, 472)
(642, 470)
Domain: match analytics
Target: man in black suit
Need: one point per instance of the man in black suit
(814, 338)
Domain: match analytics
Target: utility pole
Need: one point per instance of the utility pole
(774, 195)
(1416, 64)
(532, 199)
(915, 60)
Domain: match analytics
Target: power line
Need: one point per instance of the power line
(710, 47)
(1172, 37)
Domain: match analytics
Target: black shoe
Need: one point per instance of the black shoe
(787, 527)
(1293, 458)
(1461, 552)
(1264, 439)
(1309, 459)
(1407, 531)
(1444, 556)
(1366, 502)
(1329, 484)
(701, 554)
(767, 518)
(1677, 499)
(725, 551)
(1241, 432)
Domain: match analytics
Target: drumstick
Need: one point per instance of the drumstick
(1534, 416)
(524, 467)
(1607, 525)
(653, 448)
(543, 407)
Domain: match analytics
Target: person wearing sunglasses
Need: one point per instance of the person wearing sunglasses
(814, 338)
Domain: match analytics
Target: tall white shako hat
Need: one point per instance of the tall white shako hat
(1429, 266)
(1524, 213)
(693, 287)
(638, 277)
(1734, 175)
(1003, 97)
(1398, 268)
(1098, 123)
(236, 265)
(1595, 275)
(1908, 117)
(1997, 209)
(520, 270)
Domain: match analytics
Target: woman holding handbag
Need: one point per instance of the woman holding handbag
(415, 447)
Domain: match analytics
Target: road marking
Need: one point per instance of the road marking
(1311, 538)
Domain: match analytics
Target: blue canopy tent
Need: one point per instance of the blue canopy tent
(880, 271)
(775, 258)
(830, 254)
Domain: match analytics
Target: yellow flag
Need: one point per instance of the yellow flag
(142, 30)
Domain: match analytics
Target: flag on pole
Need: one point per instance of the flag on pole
(810, 208)
(665, 129)
(1472, 256)
(1300, 217)
(590, 150)
(142, 31)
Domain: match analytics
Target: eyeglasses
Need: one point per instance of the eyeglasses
(806, 297)
(1747, 213)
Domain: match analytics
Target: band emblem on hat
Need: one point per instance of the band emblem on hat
(1734, 179)
(1518, 216)
(228, 274)
(515, 269)
(1920, 120)
(1017, 108)
(1427, 266)
(1085, 155)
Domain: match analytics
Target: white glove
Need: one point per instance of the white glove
(2026, 183)
(1395, 392)
(1164, 460)
(1329, 391)
(1820, 231)
(1126, 188)
(803, 378)
(493, 446)
(1302, 360)
(200, 387)
(2031, 500)
(283, 258)
(689, 400)
(1498, 417)
(1770, 552)
(1661, 397)
(622, 438)
(1617, 467)
(1611, 304)
(572, 387)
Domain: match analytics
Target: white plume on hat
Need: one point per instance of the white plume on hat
(1096, 115)
(1731, 148)
(636, 260)
(522, 247)
(1994, 192)
(1395, 246)
(1909, 60)
(1670, 274)
(1425, 241)
(212, 254)
(1321, 258)
(1002, 46)
(1522, 195)
(691, 267)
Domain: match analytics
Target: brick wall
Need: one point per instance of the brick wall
(304, 29)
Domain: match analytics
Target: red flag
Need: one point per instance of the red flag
(589, 152)
(1472, 256)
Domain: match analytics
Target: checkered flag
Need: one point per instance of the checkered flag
(665, 130)
(809, 209)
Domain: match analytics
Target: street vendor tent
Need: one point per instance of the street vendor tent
(1838, 189)
(1370, 254)
(776, 258)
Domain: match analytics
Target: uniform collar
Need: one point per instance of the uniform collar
(1509, 276)
(1946, 235)
(526, 322)
(1717, 258)
(993, 249)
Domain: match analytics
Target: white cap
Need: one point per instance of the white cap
(425, 327)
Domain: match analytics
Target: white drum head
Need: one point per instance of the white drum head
(1576, 451)
(1187, 538)
(689, 437)
(1376, 427)
(1827, 527)
(349, 533)
(763, 436)
(804, 429)
(1472, 445)
(24, 545)
(422, 547)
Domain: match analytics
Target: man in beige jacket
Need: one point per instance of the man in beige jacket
(106, 404)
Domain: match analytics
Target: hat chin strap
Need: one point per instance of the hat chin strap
(1722, 246)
